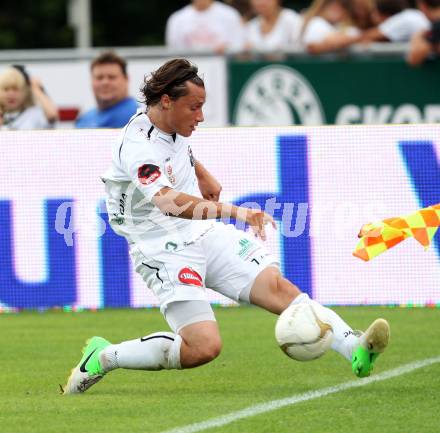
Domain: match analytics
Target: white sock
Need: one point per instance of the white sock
(344, 340)
(154, 352)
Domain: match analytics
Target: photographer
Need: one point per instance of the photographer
(425, 45)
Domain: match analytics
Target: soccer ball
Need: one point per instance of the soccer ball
(303, 333)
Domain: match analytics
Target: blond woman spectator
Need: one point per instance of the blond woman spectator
(23, 101)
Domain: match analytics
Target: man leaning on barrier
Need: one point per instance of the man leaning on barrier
(110, 87)
(179, 248)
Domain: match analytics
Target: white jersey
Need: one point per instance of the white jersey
(177, 258)
(145, 160)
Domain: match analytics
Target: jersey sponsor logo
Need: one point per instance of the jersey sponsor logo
(118, 219)
(148, 173)
(169, 172)
(190, 276)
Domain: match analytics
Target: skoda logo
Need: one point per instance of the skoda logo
(278, 95)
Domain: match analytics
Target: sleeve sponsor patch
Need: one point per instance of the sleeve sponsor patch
(148, 173)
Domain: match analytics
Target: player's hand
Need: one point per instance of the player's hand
(210, 188)
(257, 219)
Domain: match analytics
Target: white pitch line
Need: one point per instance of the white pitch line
(294, 399)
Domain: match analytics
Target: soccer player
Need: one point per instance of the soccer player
(179, 249)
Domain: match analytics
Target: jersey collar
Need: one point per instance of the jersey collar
(169, 138)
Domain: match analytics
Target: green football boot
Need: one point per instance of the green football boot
(89, 370)
(372, 343)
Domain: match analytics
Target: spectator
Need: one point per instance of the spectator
(205, 25)
(395, 22)
(110, 87)
(361, 13)
(328, 26)
(274, 28)
(244, 9)
(426, 44)
(23, 101)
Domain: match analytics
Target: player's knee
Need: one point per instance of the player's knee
(201, 349)
(274, 279)
(209, 351)
(282, 291)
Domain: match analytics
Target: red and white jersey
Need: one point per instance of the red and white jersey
(145, 160)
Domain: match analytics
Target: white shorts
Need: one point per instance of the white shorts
(223, 259)
(184, 313)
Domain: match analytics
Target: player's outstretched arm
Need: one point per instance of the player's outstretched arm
(182, 205)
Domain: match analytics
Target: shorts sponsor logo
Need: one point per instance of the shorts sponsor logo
(171, 246)
(245, 246)
(148, 173)
(247, 249)
(190, 276)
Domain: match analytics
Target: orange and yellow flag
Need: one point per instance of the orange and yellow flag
(377, 238)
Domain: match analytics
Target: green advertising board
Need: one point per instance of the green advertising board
(318, 90)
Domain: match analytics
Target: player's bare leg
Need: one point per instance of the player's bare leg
(201, 343)
(194, 345)
(272, 291)
(275, 293)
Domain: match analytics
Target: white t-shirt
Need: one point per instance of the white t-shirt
(284, 34)
(216, 26)
(145, 160)
(317, 30)
(400, 27)
(31, 118)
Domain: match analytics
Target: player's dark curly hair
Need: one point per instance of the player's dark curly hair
(170, 79)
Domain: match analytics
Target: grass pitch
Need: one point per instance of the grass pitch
(38, 351)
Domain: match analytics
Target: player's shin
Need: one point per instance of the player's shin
(154, 352)
(344, 339)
